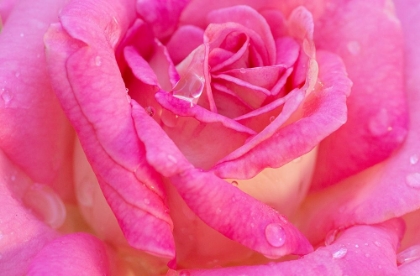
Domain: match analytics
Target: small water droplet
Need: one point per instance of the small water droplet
(169, 119)
(366, 244)
(17, 74)
(127, 90)
(98, 61)
(45, 203)
(235, 183)
(146, 201)
(356, 245)
(1, 235)
(218, 210)
(379, 124)
(242, 70)
(85, 193)
(13, 177)
(353, 47)
(340, 253)
(150, 110)
(272, 118)
(410, 254)
(377, 243)
(413, 180)
(172, 158)
(252, 225)
(414, 159)
(275, 234)
(6, 96)
(189, 88)
(330, 238)
(22, 34)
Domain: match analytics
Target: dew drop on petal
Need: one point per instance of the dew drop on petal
(242, 70)
(275, 234)
(172, 158)
(379, 124)
(22, 34)
(45, 203)
(413, 180)
(85, 193)
(146, 201)
(6, 96)
(169, 119)
(189, 88)
(235, 183)
(414, 159)
(353, 47)
(340, 253)
(410, 254)
(377, 243)
(150, 110)
(330, 238)
(218, 210)
(272, 118)
(98, 61)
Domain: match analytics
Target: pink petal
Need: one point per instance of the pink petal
(389, 189)
(90, 88)
(250, 19)
(22, 234)
(360, 250)
(177, 48)
(323, 113)
(6, 6)
(74, 254)
(163, 15)
(374, 62)
(34, 131)
(218, 203)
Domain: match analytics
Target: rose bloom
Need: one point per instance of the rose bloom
(209, 137)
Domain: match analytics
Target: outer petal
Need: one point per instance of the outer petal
(74, 254)
(34, 132)
(359, 251)
(22, 235)
(389, 189)
(89, 86)
(368, 37)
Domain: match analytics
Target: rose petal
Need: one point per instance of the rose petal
(34, 131)
(93, 95)
(177, 48)
(217, 203)
(22, 234)
(74, 254)
(389, 189)
(360, 250)
(374, 62)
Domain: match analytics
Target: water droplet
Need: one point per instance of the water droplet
(414, 159)
(146, 201)
(331, 235)
(150, 110)
(252, 225)
(366, 244)
(272, 118)
(6, 96)
(367, 255)
(17, 74)
(189, 88)
(127, 90)
(242, 70)
(13, 177)
(235, 183)
(379, 124)
(410, 254)
(22, 34)
(1, 235)
(85, 193)
(218, 210)
(98, 61)
(275, 234)
(45, 203)
(172, 158)
(353, 47)
(378, 244)
(169, 119)
(413, 180)
(356, 245)
(340, 253)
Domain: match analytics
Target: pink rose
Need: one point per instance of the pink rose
(209, 137)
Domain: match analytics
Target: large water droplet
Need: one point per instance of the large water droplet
(169, 119)
(189, 88)
(353, 47)
(414, 159)
(410, 254)
(379, 124)
(235, 183)
(275, 234)
(340, 253)
(45, 203)
(413, 180)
